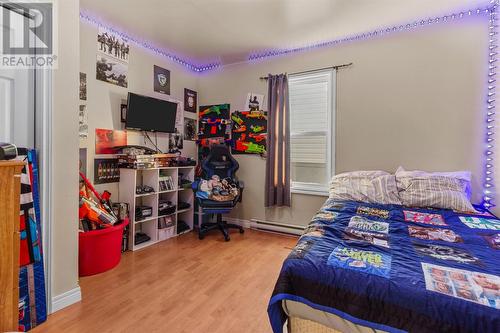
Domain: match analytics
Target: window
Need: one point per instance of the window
(312, 117)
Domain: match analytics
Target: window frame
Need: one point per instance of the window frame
(317, 188)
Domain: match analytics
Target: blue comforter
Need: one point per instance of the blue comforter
(396, 269)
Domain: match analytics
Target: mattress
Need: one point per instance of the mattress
(392, 268)
(303, 318)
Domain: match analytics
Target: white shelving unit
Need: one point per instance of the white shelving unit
(131, 178)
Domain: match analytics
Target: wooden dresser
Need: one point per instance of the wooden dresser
(9, 243)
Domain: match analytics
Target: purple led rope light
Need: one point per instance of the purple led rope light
(488, 192)
(150, 46)
(372, 34)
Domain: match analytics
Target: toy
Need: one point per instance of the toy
(236, 118)
(240, 129)
(213, 109)
(248, 147)
(255, 114)
(255, 148)
(258, 137)
(257, 129)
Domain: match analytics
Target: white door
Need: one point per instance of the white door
(17, 97)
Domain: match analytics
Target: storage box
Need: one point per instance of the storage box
(166, 233)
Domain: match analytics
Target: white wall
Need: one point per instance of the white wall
(104, 99)
(64, 187)
(414, 99)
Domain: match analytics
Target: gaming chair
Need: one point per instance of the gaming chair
(219, 162)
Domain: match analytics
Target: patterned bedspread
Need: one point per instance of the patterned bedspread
(396, 269)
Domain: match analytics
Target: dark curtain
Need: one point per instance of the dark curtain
(278, 150)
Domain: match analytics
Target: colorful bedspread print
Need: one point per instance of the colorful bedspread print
(396, 269)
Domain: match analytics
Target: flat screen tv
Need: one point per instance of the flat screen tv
(150, 114)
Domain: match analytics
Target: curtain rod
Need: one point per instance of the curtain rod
(314, 70)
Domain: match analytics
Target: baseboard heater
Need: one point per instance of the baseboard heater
(277, 227)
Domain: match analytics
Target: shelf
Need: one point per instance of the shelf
(143, 245)
(160, 216)
(145, 194)
(183, 189)
(163, 168)
(184, 210)
(185, 232)
(146, 219)
(167, 191)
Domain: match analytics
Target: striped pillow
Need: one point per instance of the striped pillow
(434, 191)
(366, 186)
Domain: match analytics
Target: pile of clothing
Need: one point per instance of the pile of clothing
(217, 189)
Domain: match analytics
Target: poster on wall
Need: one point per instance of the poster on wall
(83, 86)
(254, 102)
(190, 100)
(111, 71)
(161, 80)
(175, 141)
(106, 171)
(214, 121)
(113, 45)
(106, 139)
(249, 132)
(189, 129)
(83, 121)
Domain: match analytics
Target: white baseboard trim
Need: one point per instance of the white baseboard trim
(267, 226)
(244, 223)
(66, 299)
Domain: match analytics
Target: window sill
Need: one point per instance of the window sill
(309, 192)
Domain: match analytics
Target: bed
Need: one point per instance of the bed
(364, 267)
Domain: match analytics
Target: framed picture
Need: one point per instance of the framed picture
(161, 80)
(190, 100)
(123, 113)
(106, 171)
(106, 139)
(189, 129)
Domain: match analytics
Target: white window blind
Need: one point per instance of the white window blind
(311, 130)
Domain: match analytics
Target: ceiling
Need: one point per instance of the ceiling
(229, 30)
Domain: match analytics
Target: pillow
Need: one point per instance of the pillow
(437, 190)
(367, 186)
(462, 175)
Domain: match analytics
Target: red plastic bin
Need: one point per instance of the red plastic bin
(100, 250)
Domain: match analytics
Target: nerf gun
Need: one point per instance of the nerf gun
(213, 109)
(103, 200)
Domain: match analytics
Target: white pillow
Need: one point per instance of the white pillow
(464, 176)
(367, 186)
(445, 190)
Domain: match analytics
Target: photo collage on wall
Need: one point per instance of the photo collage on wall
(249, 128)
(82, 110)
(112, 58)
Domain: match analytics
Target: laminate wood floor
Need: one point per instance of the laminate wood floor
(182, 285)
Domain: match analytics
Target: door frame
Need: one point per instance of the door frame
(43, 128)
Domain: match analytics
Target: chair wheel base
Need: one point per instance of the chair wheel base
(242, 231)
